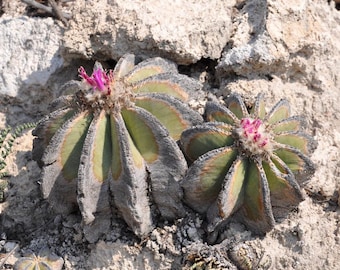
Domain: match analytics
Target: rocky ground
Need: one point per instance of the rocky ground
(286, 49)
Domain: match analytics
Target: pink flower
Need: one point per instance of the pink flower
(99, 80)
(253, 136)
(251, 129)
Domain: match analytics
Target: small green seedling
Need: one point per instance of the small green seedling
(7, 137)
(244, 161)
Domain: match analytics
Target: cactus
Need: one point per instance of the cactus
(111, 144)
(246, 162)
(7, 137)
(44, 261)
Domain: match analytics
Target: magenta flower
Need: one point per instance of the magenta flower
(253, 136)
(243, 164)
(99, 80)
(110, 147)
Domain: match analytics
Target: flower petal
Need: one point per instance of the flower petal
(205, 178)
(200, 139)
(172, 113)
(257, 211)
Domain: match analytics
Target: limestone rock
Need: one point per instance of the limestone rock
(291, 39)
(183, 31)
(287, 49)
(29, 54)
(122, 256)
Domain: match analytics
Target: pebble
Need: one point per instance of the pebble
(9, 246)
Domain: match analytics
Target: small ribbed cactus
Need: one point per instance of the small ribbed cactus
(43, 261)
(7, 138)
(244, 161)
(112, 144)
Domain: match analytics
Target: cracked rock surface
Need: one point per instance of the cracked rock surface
(286, 49)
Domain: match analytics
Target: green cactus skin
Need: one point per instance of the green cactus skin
(44, 261)
(112, 141)
(7, 138)
(244, 161)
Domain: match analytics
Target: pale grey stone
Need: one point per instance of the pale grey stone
(294, 40)
(29, 53)
(183, 31)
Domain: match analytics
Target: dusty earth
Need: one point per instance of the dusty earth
(286, 49)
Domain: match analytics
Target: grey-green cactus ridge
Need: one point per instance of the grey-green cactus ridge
(45, 260)
(246, 163)
(111, 141)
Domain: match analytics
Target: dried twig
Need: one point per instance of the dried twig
(54, 9)
(58, 12)
(3, 260)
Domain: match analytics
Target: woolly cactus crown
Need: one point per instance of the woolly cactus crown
(244, 161)
(113, 143)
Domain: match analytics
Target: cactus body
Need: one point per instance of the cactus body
(43, 261)
(113, 143)
(245, 162)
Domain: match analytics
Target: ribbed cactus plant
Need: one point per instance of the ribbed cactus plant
(7, 138)
(244, 161)
(112, 144)
(43, 261)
